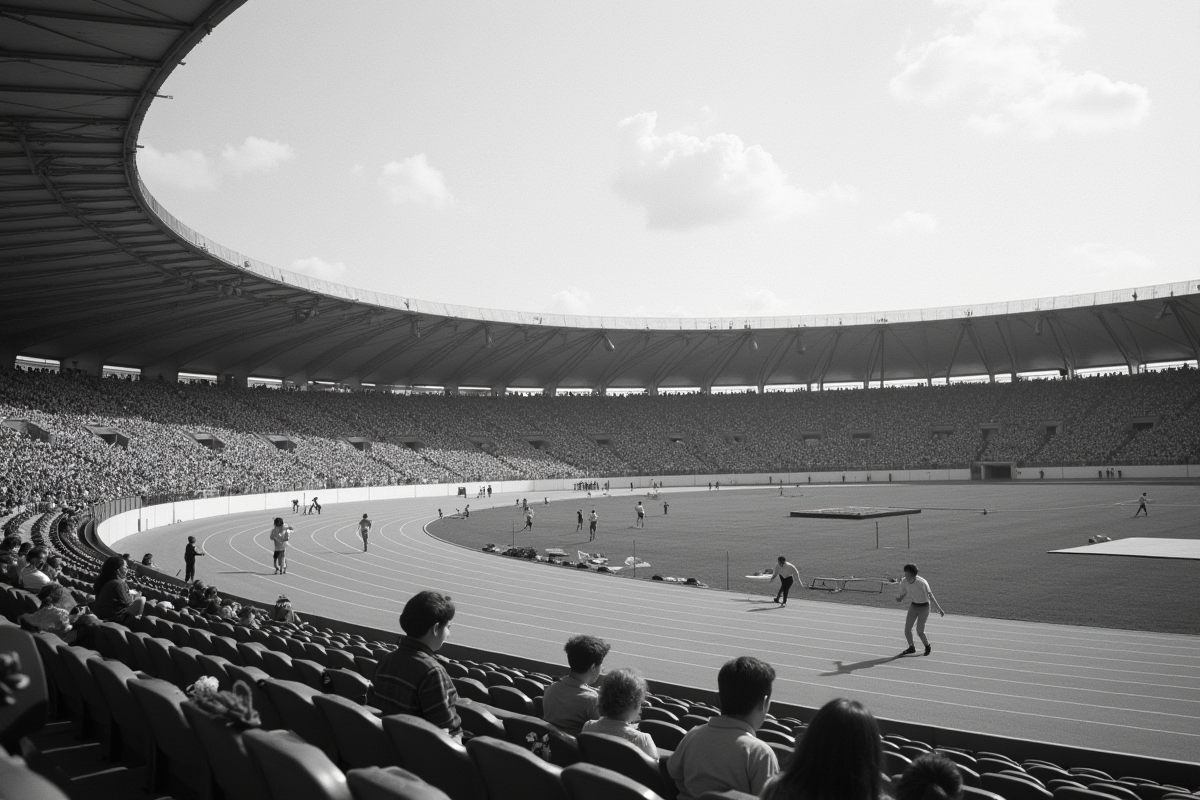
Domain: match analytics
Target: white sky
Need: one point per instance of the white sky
(695, 158)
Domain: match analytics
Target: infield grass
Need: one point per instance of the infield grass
(995, 565)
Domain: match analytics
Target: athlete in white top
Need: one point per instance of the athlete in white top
(364, 528)
(787, 573)
(917, 590)
(280, 535)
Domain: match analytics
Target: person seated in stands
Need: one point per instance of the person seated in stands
(622, 694)
(114, 602)
(410, 679)
(724, 753)
(212, 602)
(571, 701)
(17, 564)
(148, 561)
(58, 614)
(838, 758)
(32, 577)
(229, 610)
(52, 566)
(196, 600)
(930, 777)
(283, 611)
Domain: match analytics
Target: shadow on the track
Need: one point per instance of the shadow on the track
(768, 608)
(243, 572)
(841, 668)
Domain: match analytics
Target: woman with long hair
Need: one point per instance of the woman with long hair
(114, 602)
(840, 757)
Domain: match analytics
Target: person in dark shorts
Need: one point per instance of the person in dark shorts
(1141, 509)
(280, 535)
(189, 558)
(364, 529)
(579, 520)
(788, 574)
(592, 520)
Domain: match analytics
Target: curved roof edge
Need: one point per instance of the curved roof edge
(396, 302)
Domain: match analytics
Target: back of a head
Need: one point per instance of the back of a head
(621, 690)
(35, 555)
(742, 684)
(279, 522)
(424, 610)
(107, 572)
(585, 651)
(52, 594)
(838, 758)
(930, 777)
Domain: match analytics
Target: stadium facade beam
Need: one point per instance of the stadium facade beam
(631, 355)
(722, 361)
(341, 349)
(20, 13)
(973, 335)
(585, 347)
(1185, 325)
(673, 362)
(75, 58)
(1061, 342)
(819, 378)
(312, 333)
(775, 358)
(1004, 331)
(1131, 361)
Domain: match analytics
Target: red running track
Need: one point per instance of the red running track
(1126, 691)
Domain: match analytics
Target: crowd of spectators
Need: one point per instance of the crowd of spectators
(264, 439)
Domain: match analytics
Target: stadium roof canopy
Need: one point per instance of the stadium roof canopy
(93, 271)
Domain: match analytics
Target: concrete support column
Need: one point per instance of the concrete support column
(451, 389)
(652, 391)
(89, 363)
(233, 376)
(353, 382)
(8, 354)
(165, 370)
(298, 380)
(499, 390)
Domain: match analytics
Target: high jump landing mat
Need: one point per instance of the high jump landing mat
(1188, 549)
(854, 512)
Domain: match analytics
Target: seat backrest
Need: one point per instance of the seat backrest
(112, 678)
(293, 768)
(728, 794)
(337, 658)
(186, 665)
(391, 783)
(137, 646)
(202, 641)
(511, 772)
(75, 659)
(278, 665)
(294, 702)
(973, 793)
(1011, 787)
(666, 735)
(347, 683)
(660, 714)
(357, 733)
(564, 749)
(1071, 793)
(226, 752)
(310, 673)
(591, 782)
(160, 703)
(160, 656)
(28, 711)
(20, 781)
(111, 642)
(623, 757)
(227, 648)
(1115, 789)
(428, 751)
(529, 687)
(479, 721)
(510, 699)
(471, 689)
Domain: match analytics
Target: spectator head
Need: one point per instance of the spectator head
(34, 556)
(364, 516)
(148, 559)
(53, 594)
(279, 521)
(911, 570)
(210, 593)
(54, 560)
(782, 559)
(11, 543)
(930, 777)
(114, 567)
(192, 539)
(744, 686)
(586, 653)
(838, 758)
(24, 548)
(427, 613)
(621, 692)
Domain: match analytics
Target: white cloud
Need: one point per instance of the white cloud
(762, 303)
(319, 268)
(684, 181)
(912, 223)
(571, 300)
(413, 180)
(1004, 58)
(189, 169)
(194, 171)
(255, 155)
(1113, 267)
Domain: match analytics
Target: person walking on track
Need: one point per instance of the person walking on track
(641, 516)
(592, 520)
(1141, 509)
(579, 520)
(788, 574)
(364, 529)
(280, 535)
(917, 590)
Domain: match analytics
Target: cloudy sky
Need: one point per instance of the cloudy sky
(695, 158)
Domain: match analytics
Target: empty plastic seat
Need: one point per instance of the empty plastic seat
(1115, 789)
(494, 678)
(190, 670)
(294, 702)
(772, 736)
(895, 763)
(137, 646)
(96, 716)
(251, 653)
(392, 783)
(293, 768)
(110, 641)
(227, 648)
(564, 749)
(310, 673)
(347, 683)
(1072, 793)
(1011, 787)
(471, 689)
(1096, 773)
(357, 733)
(278, 665)
(430, 753)
(20, 781)
(338, 659)
(988, 764)
(660, 714)
(222, 743)
(689, 721)
(202, 640)
(174, 748)
(592, 782)
(160, 656)
(666, 735)
(510, 699)
(478, 720)
(29, 707)
(1045, 772)
(511, 772)
(974, 793)
(623, 757)
(131, 730)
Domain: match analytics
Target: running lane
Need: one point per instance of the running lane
(1127, 691)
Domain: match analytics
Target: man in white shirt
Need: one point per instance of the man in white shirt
(725, 753)
(917, 590)
(280, 535)
(32, 577)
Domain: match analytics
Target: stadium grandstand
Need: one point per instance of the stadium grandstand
(151, 377)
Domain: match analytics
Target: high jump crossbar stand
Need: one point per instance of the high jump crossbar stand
(908, 527)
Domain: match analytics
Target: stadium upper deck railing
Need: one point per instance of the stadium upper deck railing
(408, 304)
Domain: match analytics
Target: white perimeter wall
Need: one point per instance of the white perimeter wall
(125, 524)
